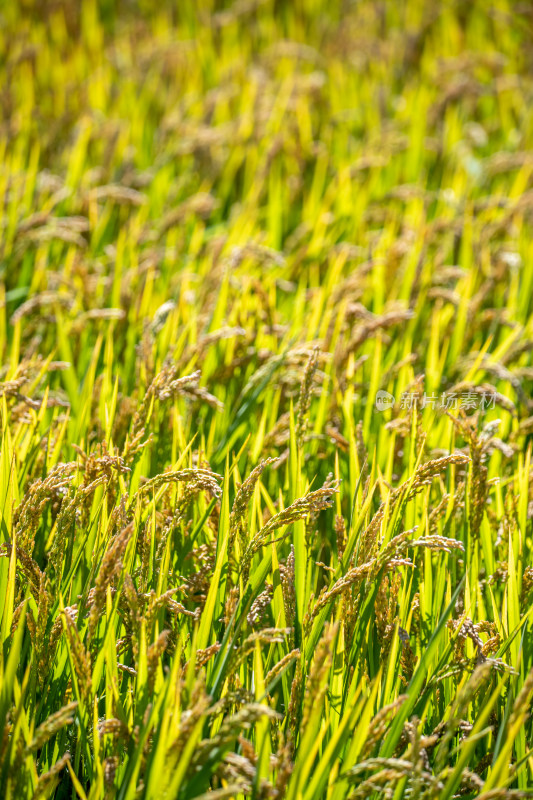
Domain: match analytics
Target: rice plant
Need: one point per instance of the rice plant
(266, 335)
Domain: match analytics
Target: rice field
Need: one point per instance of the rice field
(266, 411)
